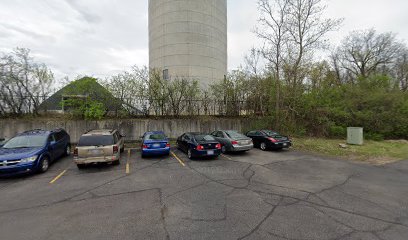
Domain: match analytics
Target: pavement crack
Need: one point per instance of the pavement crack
(270, 213)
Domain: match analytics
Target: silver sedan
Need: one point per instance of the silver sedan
(233, 141)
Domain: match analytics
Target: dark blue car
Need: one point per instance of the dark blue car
(155, 143)
(33, 151)
(199, 145)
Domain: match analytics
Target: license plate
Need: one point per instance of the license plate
(96, 152)
(210, 152)
(156, 145)
(285, 144)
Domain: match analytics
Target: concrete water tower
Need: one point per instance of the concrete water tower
(188, 38)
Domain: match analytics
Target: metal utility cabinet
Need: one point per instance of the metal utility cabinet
(355, 136)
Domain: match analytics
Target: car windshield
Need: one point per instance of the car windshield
(234, 134)
(157, 136)
(270, 133)
(203, 137)
(26, 142)
(95, 140)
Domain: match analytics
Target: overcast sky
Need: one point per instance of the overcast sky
(101, 37)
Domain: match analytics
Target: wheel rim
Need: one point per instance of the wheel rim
(263, 146)
(68, 150)
(44, 165)
(223, 149)
(189, 153)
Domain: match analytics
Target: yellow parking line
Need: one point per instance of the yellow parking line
(127, 163)
(58, 177)
(226, 157)
(178, 159)
(127, 168)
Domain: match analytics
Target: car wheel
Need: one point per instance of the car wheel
(223, 149)
(67, 150)
(44, 165)
(122, 149)
(263, 146)
(81, 166)
(117, 162)
(189, 154)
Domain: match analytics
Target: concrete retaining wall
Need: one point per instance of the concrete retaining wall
(132, 128)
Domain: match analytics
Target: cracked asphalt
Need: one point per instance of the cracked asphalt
(255, 195)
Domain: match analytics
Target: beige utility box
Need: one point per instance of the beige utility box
(355, 136)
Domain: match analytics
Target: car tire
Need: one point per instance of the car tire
(115, 163)
(122, 149)
(81, 166)
(189, 154)
(67, 150)
(223, 149)
(262, 146)
(44, 165)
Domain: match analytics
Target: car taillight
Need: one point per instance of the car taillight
(145, 146)
(76, 152)
(115, 149)
(167, 144)
(234, 143)
(273, 140)
(200, 147)
(218, 146)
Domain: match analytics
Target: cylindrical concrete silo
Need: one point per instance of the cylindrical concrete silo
(188, 38)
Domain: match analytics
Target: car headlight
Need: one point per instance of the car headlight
(29, 159)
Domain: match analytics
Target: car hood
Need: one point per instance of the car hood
(17, 153)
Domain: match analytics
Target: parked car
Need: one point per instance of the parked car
(99, 146)
(267, 139)
(233, 141)
(199, 145)
(155, 143)
(33, 151)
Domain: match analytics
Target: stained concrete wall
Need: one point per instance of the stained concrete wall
(189, 38)
(132, 128)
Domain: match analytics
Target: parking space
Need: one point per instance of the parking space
(252, 195)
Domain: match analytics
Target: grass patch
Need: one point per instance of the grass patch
(376, 152)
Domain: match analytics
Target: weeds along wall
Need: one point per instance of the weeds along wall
(132, 128)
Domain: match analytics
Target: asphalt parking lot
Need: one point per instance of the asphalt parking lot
(255, 195)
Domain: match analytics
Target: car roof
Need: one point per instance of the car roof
(154, 132)
(39, 132)
(99, 132)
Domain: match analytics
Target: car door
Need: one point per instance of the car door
(257, 137)
(186, 142)
(223, 139)
(52, 146)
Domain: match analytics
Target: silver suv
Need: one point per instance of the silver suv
(99, 146)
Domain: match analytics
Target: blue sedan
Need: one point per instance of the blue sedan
(155, 143)
(33, 151)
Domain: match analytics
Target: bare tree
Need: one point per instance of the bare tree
(24, 83)
(401, 70)
(291, 30)
(364, 53)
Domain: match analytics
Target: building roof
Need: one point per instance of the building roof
(82, 88)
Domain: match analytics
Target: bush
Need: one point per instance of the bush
(374, 136)
(337, 131)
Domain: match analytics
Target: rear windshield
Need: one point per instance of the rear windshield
(96, 140)
(234, 134)
(204, 138)
(271, 133)
(155, 137)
